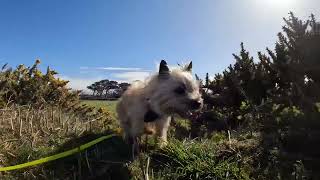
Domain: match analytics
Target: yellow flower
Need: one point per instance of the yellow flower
(118, 131)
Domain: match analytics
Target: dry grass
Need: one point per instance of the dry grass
(27, 134)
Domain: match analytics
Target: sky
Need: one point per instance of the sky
(124, 40)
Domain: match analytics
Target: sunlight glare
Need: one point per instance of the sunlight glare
(279, 3)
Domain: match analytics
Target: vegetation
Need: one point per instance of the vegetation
(29, 133)
(41, 116)
(28, 85)
(107, 88)
(109, 106)
(277, 96)
(260, 121)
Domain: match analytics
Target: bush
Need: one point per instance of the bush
(278, 96)
(29, 86)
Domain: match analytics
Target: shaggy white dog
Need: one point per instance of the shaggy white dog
(146, 107)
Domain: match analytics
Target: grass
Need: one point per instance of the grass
(214, 158)
(185, 158)
(28, 134)
(195, 159)
(110, 106)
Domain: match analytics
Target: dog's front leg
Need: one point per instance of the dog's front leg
(135, 146)
(162, 127)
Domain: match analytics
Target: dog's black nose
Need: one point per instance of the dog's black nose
(195, 104)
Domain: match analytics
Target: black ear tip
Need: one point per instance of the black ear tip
(189, 67)
(163, 69)
(163, 62)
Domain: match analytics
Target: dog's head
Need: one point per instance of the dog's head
(176, 91)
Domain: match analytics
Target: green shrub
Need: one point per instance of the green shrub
(29, 86)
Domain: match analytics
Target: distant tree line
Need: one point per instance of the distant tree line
(106, 89)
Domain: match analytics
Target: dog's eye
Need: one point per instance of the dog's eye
(180, 90)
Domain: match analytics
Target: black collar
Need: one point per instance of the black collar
(150, 116)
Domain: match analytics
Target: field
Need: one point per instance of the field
(57, 132)
(110, 106)
(196, 159)
(29, 134)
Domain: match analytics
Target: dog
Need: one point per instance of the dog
(147, 107)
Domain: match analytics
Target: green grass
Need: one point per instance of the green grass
(215, 158)
(103, 104)
(110, 106)
(196, 159)
(183, 158)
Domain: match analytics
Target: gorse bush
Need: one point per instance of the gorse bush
(28, 85)
(289, 75)
(40, 115)
(277, 95)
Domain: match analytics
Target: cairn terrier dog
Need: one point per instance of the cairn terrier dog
(147, 107)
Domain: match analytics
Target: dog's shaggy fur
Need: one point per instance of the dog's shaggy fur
(146, 107)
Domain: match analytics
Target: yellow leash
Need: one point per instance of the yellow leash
(57, 156)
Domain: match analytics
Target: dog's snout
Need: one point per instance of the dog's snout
(194, 104)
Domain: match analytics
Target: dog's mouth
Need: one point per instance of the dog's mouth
(184, 114)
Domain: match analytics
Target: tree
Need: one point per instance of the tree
(207, 81)
(99, 87)
(103, 87)
(93, 89)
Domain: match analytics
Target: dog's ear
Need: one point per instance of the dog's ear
(197, 77)
(189, 67)
(198, 80)
(163, 69)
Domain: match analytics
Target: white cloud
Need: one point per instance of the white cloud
(80, 83)
(120, 69)
(127, 74)
(114, 68)
(84, 67)
(131, 75)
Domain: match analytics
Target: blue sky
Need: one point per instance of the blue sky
(87, 40)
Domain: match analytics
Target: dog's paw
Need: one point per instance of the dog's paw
(162, 143)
